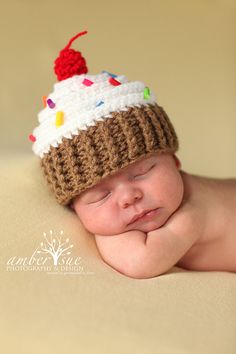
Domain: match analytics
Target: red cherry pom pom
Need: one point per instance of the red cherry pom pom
(70, 62)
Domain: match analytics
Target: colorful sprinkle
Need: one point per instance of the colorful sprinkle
(146, 93)
(50, 103)
(44, 99)
(59, 118)
(107, 72)
(32, 138)
(99, 103)
(87, 82)
(114, 82)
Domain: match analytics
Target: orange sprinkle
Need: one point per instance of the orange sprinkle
(44, 98)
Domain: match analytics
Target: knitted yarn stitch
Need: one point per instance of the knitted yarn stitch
(101, 150)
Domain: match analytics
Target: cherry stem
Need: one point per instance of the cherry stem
(73, 38)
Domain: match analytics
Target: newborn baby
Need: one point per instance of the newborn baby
(151, 216)
(109, 148)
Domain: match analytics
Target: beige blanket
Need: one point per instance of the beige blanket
(75, 303)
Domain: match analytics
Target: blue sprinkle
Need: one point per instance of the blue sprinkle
(99, 104)
(112, 75)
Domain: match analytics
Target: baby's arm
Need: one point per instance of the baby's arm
(164, 248)
(124, 252)
(140, 255)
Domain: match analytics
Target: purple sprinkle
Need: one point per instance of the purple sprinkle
(50, 103)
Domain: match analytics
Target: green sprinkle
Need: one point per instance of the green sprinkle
(146, 93)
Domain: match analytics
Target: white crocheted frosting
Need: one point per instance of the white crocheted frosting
(80, 106)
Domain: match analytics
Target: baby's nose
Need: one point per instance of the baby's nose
(129, 197)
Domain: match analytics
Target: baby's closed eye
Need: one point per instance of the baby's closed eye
(99, 197)
(102, 193)
(144, 171)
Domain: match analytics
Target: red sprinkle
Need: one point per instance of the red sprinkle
(87, 82)
(114, 82)
(32, 138)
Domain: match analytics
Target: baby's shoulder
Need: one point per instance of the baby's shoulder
(208, 187)
(209, 205)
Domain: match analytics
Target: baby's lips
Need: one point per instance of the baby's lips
(149, 212)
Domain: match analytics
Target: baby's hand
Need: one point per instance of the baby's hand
(168, 244)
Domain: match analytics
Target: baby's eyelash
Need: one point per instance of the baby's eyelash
(100, 198)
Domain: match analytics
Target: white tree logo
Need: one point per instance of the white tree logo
(54, 246)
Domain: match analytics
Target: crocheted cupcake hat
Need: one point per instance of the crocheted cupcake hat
(94, 125)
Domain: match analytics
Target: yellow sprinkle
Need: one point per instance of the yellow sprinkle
(59, 118)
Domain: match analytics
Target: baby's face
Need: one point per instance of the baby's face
(150, 183)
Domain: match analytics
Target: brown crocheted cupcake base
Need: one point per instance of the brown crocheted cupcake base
(101, 150)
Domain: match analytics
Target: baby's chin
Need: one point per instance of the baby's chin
(149, 228)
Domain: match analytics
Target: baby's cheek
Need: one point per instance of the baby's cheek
(100, 220)
(83, 215)
(92, 221)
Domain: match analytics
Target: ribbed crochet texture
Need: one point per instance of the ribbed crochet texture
(101, 150)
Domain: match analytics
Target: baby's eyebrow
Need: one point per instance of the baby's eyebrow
(145, 161)
(93, 190)
(97, 188)
(88, 195)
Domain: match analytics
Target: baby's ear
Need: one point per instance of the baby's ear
(177, 161)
